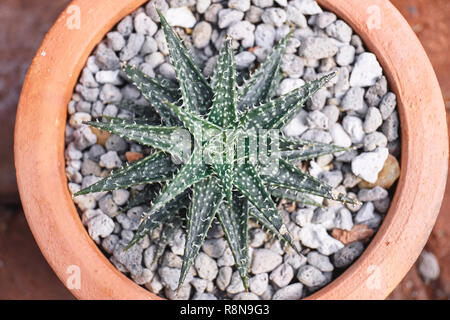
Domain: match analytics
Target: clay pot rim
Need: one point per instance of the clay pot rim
(56, 225)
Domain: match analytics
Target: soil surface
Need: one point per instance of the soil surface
(24, 274)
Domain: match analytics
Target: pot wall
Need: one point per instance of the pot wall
(55, 223)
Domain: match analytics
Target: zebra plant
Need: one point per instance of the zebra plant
(218, 178)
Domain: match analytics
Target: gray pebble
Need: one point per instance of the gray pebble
(274, 16)
(87, 79)
(134, 45)
(295, 16)
(373, 120)
(167, 71)
(215, 248)
(290, 292)
(125, 27)
(292, 65)
(244, 60)
(354, 127)
(374, 194)
(366, 71)
(201, 34)
(151, 7)
(344, 257)
(100, 226)
(110, 94)
(258, 283)
(224, 277)
(236, 285)
(116, 143)
(282, 275)
(343, 220)
(376, 92)
(246, 296)
(317, 135)
(227, 17)
(315, 236)
(390, 127)
(106, 58)
(319, 99)
(206, 267)
(353, 100)
(332, 178)
(263, 3)
(241, 5)
(265, 35)
(120, 196)
(387, 105)
(340, 31)
(170, 276)
(345, 56)
(211, 14)
(320, 261)
(110, 160)
(254, 14)
(318, 48)
(374, 140)
(116, 41)
(89, 94)
(310, 276)
(324, 19)
(265, 260)
(131, 258)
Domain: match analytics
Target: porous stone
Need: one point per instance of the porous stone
(244, 60)
(345, 56)
(320, 261)
(274, 16)
(343, 220)
(324, 19)
(353, 100)
(373, 120)
(367, 165)
(226, 17)
(110, 160)
(318, 48)
(290, 292)
(292, 65)
(143, 24)
(310, 276)
(265, 260)
(374, 194)
(265, 35)
(315, 236)
(224, 277)
(206, 267)
(344, 257)
(258, 283)
(201, 34)
(180, 17)
(390, 127)
(366, 72)
(282, 275)
(374, 140)
(387, 105)
(340, 31)
(354, 127)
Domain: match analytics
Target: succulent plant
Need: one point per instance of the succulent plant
(219, 178)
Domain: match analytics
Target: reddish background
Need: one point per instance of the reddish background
(24, 273)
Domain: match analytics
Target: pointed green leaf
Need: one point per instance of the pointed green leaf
(170, 226)
(292, 195)
(157, 167)
(267, 225)
(143, 114)
(275, 114)
(191, 173)
(206, 198)
(234, 221)
(166, 213)
(158, 137)
(155, 91)
(247, 180)
(299, 149)
(196, 92)
(290, 177)
(223, 111)
(264, 80)
(145, 196)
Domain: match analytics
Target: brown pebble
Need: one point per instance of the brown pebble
(102, 136)
(387, 176)
(359, 232)
(133, 156)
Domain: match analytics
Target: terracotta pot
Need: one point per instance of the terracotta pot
(55, 223)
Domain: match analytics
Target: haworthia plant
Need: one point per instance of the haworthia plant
(220, 177)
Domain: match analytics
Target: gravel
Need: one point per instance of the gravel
(355, 110)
